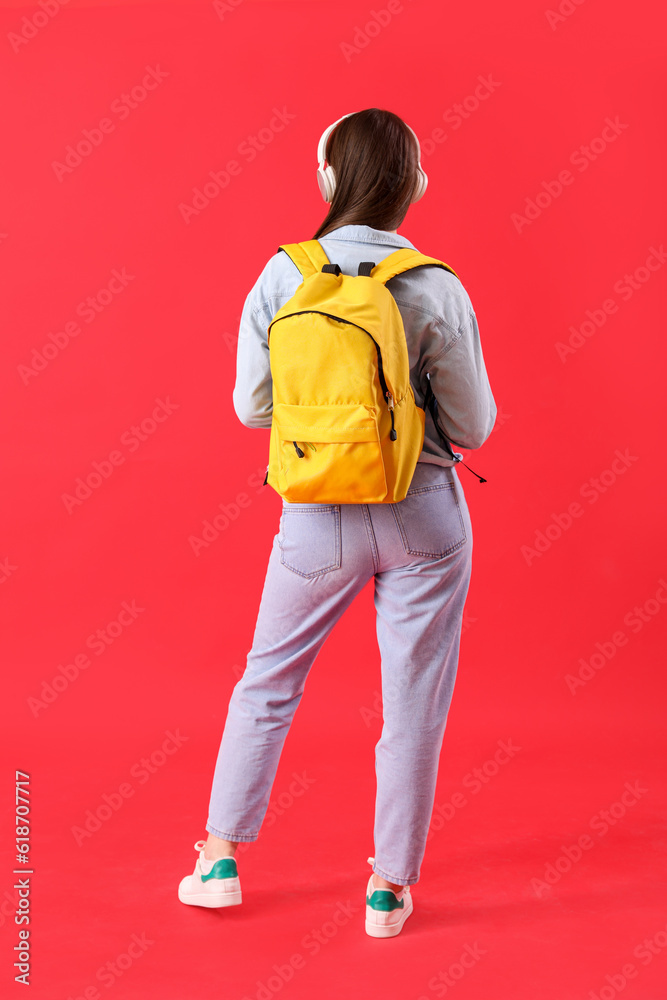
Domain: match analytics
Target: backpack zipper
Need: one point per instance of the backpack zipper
(387, 395)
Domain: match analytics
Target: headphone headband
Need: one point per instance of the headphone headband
(325, 175)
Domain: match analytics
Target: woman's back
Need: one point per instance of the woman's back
(440, 330)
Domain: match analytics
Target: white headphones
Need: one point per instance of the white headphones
(326, 178)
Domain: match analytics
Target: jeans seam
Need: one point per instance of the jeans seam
(397, 880)
(371, 536)
(428, 489)
(235, 837)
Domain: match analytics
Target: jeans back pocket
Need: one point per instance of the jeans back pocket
(310, 538)
(429, 521)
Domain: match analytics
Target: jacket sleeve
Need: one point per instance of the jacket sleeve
(466, 408)
(253, 391)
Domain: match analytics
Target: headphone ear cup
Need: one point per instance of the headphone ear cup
(326, 180)
(422, 181)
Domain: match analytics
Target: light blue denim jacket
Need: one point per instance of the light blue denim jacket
(440, 330)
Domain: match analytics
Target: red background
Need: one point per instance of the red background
(170, 334)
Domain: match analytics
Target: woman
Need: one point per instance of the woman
(418, 550)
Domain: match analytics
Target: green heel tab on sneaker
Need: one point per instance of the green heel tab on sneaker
(223, 868)
(384, 899)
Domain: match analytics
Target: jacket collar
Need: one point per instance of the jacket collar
(366, 234)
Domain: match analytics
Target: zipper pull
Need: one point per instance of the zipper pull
(390, 404)
(298, 450)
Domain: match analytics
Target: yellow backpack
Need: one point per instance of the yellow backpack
(345, 426)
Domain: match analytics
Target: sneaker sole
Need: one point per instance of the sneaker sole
(387, 930)
(208, 899)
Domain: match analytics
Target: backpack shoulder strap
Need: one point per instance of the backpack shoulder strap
(308, 256)
(402, 260)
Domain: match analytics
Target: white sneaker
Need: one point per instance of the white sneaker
(386, 910)
(213, 883)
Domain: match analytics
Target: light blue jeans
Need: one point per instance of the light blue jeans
(419, 551)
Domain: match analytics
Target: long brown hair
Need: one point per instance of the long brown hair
(375, 158)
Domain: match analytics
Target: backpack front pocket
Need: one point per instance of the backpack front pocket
(329, 453)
